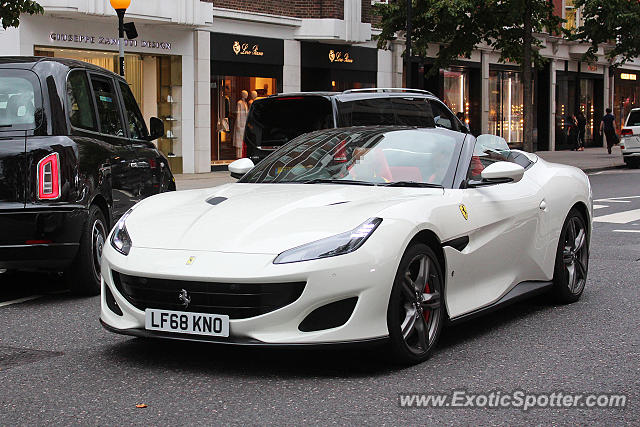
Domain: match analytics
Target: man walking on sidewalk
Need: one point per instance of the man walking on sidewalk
(608, 125)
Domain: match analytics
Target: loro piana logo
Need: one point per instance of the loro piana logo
(245, 49)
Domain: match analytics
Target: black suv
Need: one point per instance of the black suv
(75, 154)
(275, 120)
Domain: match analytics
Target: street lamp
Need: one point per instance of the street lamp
(408, 75)
(121, 7)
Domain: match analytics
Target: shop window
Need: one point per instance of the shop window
(231, 100)
(108, 110)
(81, 113)
(456, 93)
(506, 103)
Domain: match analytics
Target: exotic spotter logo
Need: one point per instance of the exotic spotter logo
(184, 298)
(463, 211)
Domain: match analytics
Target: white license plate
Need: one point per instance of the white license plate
(181, 322)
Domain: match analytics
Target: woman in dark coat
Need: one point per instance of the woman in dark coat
(582, 130)
(608, 126)
(572, 132)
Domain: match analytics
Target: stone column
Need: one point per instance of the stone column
(202, 61)
(552, 105)
(291, 69)
(484, 64)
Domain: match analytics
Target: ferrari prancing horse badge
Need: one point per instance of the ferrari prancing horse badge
(463, 210)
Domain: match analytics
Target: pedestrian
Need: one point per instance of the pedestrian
(582, 129)
(608, 127)
(572, 132)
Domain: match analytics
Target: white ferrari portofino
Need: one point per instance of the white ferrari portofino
(351, 235)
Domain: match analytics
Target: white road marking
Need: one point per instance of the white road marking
(600, 206)
(19, 300)
(627, 231)
(617, 198)
(620, 217)
(612, 201)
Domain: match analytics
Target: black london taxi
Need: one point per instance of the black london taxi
(75, 154)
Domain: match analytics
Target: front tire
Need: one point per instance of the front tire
(415, 315)
(83, 276)
(572, 259)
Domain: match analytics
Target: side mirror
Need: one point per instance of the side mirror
(499, 173)
(240, 167)
(156, 128)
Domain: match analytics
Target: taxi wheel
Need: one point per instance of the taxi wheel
(83, 276)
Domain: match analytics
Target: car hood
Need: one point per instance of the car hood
(258, 218)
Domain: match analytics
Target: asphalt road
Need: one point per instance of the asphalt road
(58, 366)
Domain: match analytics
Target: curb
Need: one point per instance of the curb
(605, 168)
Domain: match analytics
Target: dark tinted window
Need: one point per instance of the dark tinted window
(108, 108)
(443, 117)
(634, 119)
(413, 112)
(79, 101)
(275, 121)
(367, 112)
(20, 99)
(137, 128)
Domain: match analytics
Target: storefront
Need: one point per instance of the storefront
(626, 93)
(459, 87)
(153, 64)
(243, 68)
(328, 67)
(578, 94)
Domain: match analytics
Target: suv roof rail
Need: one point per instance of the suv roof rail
(389, 89)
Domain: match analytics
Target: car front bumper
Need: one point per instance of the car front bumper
(367, 274)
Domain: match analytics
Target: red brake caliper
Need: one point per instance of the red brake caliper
(427, 313)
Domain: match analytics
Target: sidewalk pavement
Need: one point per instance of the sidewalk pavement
(589, 160)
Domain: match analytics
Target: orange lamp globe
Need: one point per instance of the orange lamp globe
(120, 4)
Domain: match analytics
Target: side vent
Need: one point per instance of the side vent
(458, 244)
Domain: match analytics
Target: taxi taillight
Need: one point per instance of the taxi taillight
(49, 177)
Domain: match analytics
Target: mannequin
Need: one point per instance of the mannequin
(242, 109)
(254, 96)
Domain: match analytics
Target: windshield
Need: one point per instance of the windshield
(19, 99)
(275, 121)
(363, 155)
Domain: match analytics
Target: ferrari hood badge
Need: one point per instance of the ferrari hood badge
(191, 260)
(463, 211)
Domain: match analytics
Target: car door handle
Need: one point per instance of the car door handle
(543, 205)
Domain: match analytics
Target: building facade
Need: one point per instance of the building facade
(198, 65)
(490, 94)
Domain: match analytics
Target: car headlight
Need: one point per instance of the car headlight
(120, 239)
(331, 246)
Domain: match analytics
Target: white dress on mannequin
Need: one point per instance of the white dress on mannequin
(242, 111)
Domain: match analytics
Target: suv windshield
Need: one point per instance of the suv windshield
(363, 155)
(20, 99)
(276, 121)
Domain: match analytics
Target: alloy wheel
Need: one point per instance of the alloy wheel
(575, 256)
(421, 303)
